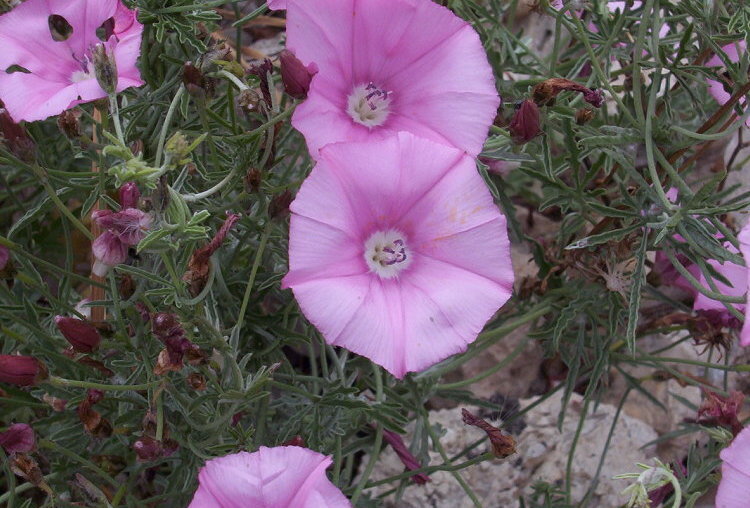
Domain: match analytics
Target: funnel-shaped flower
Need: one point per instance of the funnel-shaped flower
(734, 489)
(54, 41)
(390, 65)
(397, 251)
(280, 477)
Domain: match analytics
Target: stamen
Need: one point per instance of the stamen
(385, 253)
(369, 104)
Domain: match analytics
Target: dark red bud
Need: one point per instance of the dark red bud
(584, 116)
(129, 195)
(295, 76)
(15, 138)
(82, 335)
(21, 370)
(295, 441)
(279, 206)
(407, 458)
(525, 124)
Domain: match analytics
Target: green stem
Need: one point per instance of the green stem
(253, 272)
(58, 202)
(51, 445)
(114, 111)
(73, 383)
(375, 453)
(165, 125)
(234, 79)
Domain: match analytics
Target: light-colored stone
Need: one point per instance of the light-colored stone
(542, 455)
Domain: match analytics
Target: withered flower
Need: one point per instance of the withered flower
(545, 92)
(197, 273)
(94, 423)
(18, 438)
(718, 410)
(502, 445)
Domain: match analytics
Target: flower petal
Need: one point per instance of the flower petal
(320, 251)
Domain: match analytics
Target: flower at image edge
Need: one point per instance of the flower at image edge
(279, 477)
(61, 72)
(390, 66)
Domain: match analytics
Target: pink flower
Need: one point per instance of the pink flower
(129, 225)
(18, 438)
(390, 66)
(280, 477)
(108, 251)
(61, 72)
(716, 88)
(397, 251)
(734, 489)
(129, 195)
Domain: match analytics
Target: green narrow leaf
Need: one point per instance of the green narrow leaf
(635, 293)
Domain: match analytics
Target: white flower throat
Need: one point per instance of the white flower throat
(386, 253)
(369, 105)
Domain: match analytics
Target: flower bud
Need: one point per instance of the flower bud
(21, 370)
(82, 335)
(546, 91)
(15, 137)
(407, 458)
(525, 124)
(295, 76)
(196, 381)
(279, 206)
(105, 69)
(18, 438)
(248, 99)
(69, 123)
(4, 257)
(129, 195)
(584, 116)
(253, 179)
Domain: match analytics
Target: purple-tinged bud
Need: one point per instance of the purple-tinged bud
(525, 124)
(18, 438)
(295, 441)
(69, 123)
(129, 195)
(295, 76)
(105, 68)
(82, 335)
(22, 370)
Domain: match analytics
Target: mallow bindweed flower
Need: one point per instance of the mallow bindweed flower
(397, 251)
(734, 488)
(55, 41)
(280, 477)
(386, 66)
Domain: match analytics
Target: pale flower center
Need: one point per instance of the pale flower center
(369, 105)
(386, 253)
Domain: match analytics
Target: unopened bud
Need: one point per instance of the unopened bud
(82, 335)
(22, 370)
(15, 137)
(248, 99)
(192, 78)
(295, 76)
(525, 124)
(197, 382)
(253, 178)
(69, 123)
(129, 195)
(584, 116)
(279, 206)
(105, 69)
